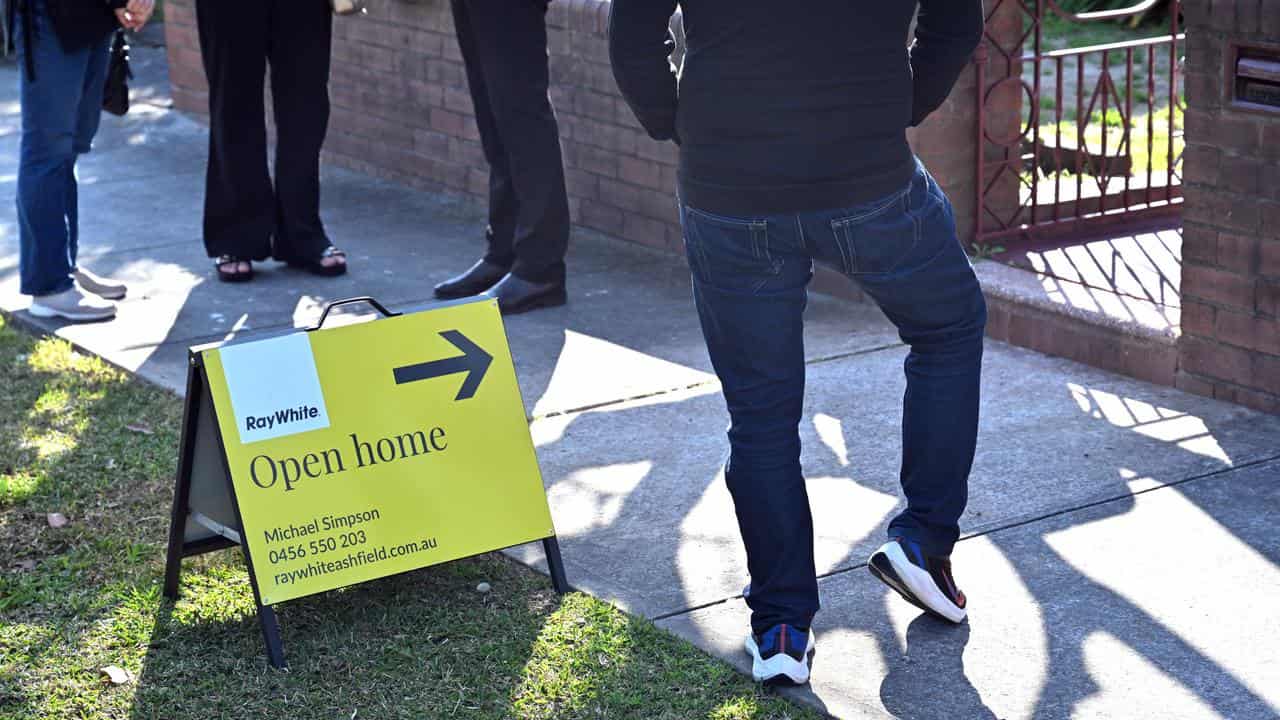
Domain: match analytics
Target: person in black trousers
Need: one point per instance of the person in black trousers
(504, 46)
(246, 216)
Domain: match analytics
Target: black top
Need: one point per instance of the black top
(790, 107)
(77, 23)
(80, 23)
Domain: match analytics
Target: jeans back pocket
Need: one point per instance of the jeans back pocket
(728, 252)
(880, 237)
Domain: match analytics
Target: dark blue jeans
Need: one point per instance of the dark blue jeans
(60, 113)
(750, 277)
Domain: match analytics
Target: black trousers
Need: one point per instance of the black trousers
(504, 46)
(245, 213)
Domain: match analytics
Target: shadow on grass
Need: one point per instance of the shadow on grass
(426, 644)
(65, 448)
(399, 647)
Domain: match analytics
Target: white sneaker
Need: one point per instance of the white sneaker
(922, 580)
(100, 286)
(74, 304)
(781, 656)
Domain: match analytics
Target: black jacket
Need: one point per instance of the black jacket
(790, 107)
(77, 23)
(80, 23)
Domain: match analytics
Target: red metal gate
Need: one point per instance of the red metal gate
(1097, 146)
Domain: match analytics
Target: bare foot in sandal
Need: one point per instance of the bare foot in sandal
(337, 258)
(233, 269)
(331, 262)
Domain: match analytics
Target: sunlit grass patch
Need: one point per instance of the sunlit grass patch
(1149, 138)
(591, 661)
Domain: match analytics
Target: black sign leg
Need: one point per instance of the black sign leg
(177, 529)
(182, 489)
(555, 565)
(266, 616)
(271, 634)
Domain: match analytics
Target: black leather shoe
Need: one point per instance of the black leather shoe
(515, 295)
(478, 278)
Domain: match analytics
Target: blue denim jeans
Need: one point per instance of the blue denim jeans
(749, 277)
(61, 108)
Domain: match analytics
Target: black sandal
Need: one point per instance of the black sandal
(233, 275)
(316, 265)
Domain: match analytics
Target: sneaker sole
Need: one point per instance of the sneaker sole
(43, 312)
(890, 566)
(781, 669)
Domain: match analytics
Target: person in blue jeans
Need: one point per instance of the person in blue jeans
(791, 122)
(64, 52)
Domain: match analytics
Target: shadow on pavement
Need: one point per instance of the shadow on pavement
(932, 666)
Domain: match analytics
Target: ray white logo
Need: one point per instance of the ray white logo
(275, 390)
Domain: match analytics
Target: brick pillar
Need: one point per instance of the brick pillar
(946, 142)
(1230, 344)
(186, 71)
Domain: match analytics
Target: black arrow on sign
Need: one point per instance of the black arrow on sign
(473, 361)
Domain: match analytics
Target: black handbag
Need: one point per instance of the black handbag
(115, 96)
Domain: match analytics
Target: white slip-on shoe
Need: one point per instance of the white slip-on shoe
(100, 286)
(781, 655)
(74, 304)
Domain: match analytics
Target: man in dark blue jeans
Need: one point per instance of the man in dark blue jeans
(792, 124)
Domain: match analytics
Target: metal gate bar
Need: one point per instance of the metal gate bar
(1014, 166)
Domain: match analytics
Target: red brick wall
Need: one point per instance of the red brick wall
(401, 110)
(1230, 345)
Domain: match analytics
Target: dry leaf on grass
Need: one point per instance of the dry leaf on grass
(143, 428)
(56, 520)
(116, 675)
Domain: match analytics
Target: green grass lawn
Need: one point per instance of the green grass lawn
(421, 645)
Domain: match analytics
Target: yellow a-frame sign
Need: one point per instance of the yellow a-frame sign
(338, 456)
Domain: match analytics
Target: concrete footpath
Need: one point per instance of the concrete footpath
(1121, 557)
